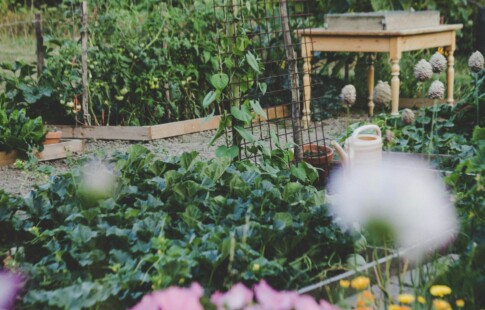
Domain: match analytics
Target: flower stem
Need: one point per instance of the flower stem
(347, 120)
(476, 99)
(423, 107)
(431, 144)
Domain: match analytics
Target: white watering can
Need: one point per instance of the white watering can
(361, 149)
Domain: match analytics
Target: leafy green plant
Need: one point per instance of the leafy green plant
(168, 222)
(19, 132)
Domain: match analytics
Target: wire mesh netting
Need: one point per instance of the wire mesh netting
(266, 29)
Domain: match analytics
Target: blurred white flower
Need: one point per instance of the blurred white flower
(403, 193)
(98, 181)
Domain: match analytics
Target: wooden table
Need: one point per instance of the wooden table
(392, 42)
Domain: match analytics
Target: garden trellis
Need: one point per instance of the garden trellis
(265, 29)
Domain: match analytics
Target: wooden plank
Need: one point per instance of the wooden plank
(147, 133)
(137, 133)
(183, 127)
(429, 40)
(416, 102)
(354, 44)
(315, 32)
(8, 158)
(61, 150)
(276, 112)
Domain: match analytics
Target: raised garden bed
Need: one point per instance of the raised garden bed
(50, 152)
(154, 132)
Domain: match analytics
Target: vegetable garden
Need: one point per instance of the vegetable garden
(273, 218)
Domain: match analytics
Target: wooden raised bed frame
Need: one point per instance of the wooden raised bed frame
(50, 152)
(148, 133)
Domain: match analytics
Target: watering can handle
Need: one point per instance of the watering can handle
(367, 127)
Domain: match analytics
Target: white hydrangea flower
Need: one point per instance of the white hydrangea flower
(348, 94)
(382, 94)
(423, 70)
(407, 116)
(476, 61)
(436, 90)
(438, 62)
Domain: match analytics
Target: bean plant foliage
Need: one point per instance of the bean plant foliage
(169, 222)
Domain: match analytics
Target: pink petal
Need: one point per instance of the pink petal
(10, 284)
(305, 302)
(146, 303)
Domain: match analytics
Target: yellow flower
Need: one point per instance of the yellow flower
(406, 298)
(460, 303)
(398, 307)
(344, 283)
(421, 300)
(360, 283)
(368, 296)
(256, 267)
(440, 290)
(440, 304)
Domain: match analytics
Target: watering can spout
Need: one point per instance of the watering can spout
(344, 158)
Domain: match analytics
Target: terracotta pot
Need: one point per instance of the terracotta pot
(317, 155)
(53, 137)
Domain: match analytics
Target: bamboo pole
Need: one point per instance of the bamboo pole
(84, 62)
(293, 73)
(39, 43)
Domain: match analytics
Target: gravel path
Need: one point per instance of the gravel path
(22, 180)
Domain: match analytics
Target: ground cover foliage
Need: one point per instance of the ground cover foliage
(168, 222)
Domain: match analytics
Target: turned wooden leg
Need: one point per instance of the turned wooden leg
(450, 75)
(370, 84)
(395, 86)
(307, 88)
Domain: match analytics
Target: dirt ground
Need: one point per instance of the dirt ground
(20, 180)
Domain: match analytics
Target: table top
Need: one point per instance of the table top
(382, 33)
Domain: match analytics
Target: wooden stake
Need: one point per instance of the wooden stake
(84, 62)
(295, 88)
(39, 43)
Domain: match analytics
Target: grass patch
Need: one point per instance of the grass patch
(21, 48)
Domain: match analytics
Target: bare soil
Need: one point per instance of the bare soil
(21, 180)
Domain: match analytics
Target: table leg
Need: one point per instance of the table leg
(450, 74)
(395, 86)
(370, 84)
(307, 86)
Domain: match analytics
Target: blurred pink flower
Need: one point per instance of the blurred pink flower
(237, 297)
(306, 302)
(10, 284)
(270, 299)
(173, 298)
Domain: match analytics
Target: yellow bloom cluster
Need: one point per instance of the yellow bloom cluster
(360, 283)
(440, 304)
(440, 290)
(406, 298)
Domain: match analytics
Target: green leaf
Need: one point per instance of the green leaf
(224, 151)
(187, 159)
(220, 80)
(263, 87)
(252, 62)
(209, 98)
(225, 121)
(258, 109)
(243, 114)
(245, 134)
